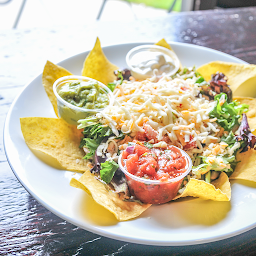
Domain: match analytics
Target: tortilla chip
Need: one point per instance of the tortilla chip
(55, 138)
(163, 43)
(219, 190)
(97, 66)
(241, 77)
(223, 184)
(108, 199)
(246, 168)
(51, 73)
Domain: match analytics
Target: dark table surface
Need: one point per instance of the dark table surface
(26, 227)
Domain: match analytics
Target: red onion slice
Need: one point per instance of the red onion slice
(130, 149)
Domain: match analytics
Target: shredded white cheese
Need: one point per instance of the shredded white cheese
(172, 107)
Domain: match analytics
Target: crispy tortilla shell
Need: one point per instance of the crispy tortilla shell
(241, 77)
(218, 190)
(108, 199)
(57, 139)
(97, 66)
(51, 73)
(246, 168)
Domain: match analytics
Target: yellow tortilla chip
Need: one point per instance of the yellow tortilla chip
(97, 66)
(163, 43)
(51, 73)
(246, 168)
(108, 199)
(223, 184)
(241, 77)
(219, 190)
(57, 139)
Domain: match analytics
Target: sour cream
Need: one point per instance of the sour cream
(150, 60)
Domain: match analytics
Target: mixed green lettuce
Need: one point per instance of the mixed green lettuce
(119, 80)
(96, 133)
(108, 170)
(228, 114)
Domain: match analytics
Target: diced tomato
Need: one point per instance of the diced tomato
(191, 144)
(184, 88)
(140, 150)
(162, 176)
(148, 165)
(155, 163)
(125, 154)
(141, 136)
(150, 132)
(132, 163)
(174, 153)
(175, 165)
(166, 139)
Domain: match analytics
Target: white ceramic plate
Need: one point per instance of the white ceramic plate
(177, 223)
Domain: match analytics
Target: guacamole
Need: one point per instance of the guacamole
(88, 95)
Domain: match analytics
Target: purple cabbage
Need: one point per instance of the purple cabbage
(245, 137)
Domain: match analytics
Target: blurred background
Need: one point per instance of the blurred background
(47, 13)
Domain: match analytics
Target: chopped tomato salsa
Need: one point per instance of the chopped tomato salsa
(157, 167)
(155, 163)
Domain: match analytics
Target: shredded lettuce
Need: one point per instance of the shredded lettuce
(232, 161)
(201, 168)
(200, 80)
(108, 170)
(208, 177)
(82, 123)
(206, 166)
(230, 139)
(113, 85)
(186, 73)
(228, 114)
(215, 166)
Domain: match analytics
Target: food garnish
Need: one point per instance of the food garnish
(154, 175)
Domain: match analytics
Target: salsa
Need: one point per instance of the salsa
(155, 163)
(88, 95)
(154, 175)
